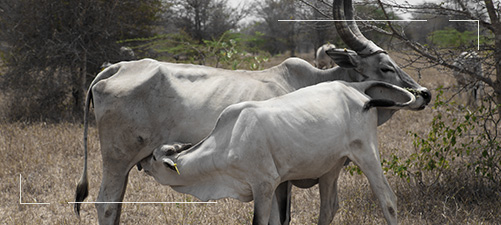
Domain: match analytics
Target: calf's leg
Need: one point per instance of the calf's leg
(369, 163)
(263, 194)
(280, 212)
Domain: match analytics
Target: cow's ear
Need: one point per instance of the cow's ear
(343, 57)
(181, 147)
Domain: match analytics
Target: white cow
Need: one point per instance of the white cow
(322, 60)
(139, 105)
(469, 61)
(306, 134)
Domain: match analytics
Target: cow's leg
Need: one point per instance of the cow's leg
(329, 202)
(280, 212)
(123, 145)
(112, 189)
(117, 163)
(369, 163)
(262, 194)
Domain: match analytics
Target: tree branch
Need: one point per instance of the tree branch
(315, 8)
(436, 57)
(441, 10)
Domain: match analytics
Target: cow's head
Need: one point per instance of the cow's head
(369, 60)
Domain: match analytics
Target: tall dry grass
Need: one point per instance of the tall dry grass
(49, 158)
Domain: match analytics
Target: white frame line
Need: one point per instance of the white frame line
(478, 23)
(20, 195)
(352, 20)
(143, 202)
(46, 203)
(478, 29)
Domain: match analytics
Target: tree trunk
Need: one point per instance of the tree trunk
(497, 60)
(79, 87)
(496, 24)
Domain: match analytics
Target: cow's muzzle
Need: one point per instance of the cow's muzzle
(423, 98)
(426, 94)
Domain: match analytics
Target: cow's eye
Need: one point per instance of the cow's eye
(154, 158)
(387, 70)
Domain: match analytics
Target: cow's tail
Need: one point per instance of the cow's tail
(83, 185)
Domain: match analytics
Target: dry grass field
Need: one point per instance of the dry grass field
(49, 158)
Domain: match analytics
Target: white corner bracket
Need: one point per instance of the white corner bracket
(20, 195)
(478, 29)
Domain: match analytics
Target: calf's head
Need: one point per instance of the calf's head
(166, 155)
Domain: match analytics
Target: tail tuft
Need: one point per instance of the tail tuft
(80, 195)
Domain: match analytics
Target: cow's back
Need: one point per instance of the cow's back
(153, 102)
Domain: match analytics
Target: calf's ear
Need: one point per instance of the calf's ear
(343, 57)
(170, 164)
(387, 98)
(386, 95)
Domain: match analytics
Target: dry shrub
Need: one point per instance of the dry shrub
(35, 96)
(451, 174)
(460, 142)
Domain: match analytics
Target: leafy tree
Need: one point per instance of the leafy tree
(55, 45)
(452, 38)
(205, 19)
(231, 50)
(280, 36)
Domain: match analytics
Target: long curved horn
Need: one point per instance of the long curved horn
(348, 29)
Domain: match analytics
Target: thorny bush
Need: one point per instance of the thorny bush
(459, 143)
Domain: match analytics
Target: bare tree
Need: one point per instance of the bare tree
(487, 12)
